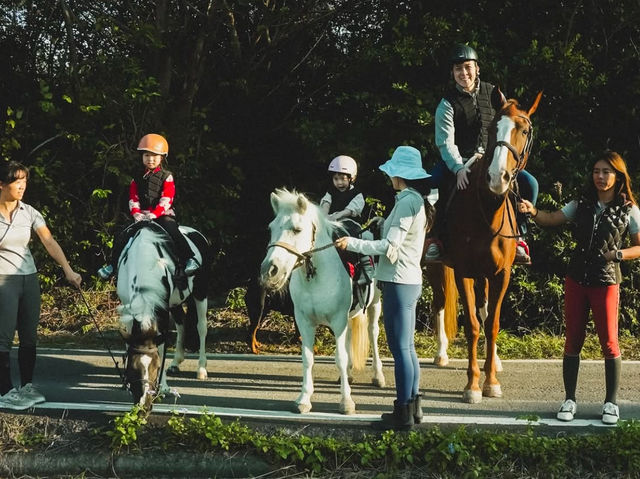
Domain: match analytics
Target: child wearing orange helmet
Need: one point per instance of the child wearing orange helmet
(151, 195)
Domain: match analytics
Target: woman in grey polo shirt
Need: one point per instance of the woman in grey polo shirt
(19, 287)
(399, 277)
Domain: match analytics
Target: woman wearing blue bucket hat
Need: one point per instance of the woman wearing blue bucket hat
(399, 278)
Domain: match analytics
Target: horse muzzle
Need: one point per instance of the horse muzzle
(272, 276)
(499, 182)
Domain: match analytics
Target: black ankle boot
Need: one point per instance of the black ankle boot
(416, 408)
(400, 419)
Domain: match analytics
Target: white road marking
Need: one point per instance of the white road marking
(317, 417)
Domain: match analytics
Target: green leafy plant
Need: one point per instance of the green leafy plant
(126, 427)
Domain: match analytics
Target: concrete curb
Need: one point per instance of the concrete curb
(152, 464)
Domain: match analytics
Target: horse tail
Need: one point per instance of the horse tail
(359, 347)
(450, 303)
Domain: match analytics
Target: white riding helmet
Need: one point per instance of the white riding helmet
(344, 164)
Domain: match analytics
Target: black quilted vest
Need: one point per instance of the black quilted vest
(340, 200)
(471, 117)
(595, 236)
(150, 188)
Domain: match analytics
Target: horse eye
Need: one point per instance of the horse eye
(296, 230)
(525, 132)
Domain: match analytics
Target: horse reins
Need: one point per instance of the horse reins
(123, 378)
(520, 157)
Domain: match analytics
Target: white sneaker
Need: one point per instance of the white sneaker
(13, 400)
(30, 393)
(567, 410)
(610, 413)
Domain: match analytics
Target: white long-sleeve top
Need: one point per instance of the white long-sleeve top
(400, 248)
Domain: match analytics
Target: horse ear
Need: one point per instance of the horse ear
(275, 202)
(497, 99)
(534, 107)
(302, 204)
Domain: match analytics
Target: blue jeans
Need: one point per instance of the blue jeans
(399, 311)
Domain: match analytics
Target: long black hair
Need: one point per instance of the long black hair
(11, 171)
(623, 181)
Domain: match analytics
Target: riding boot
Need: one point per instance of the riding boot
(417, 408)
(612, 369)
(401, 419)
(367, 270)
(570, 367)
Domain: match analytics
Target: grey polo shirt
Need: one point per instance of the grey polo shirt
(15, 256)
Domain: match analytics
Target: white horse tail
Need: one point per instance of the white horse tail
(359, 341)
(450, 303)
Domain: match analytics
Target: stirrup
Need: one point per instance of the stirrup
(522, 254)
(433, 254)
(191, 267)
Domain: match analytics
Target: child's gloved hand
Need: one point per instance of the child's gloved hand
(138, 217)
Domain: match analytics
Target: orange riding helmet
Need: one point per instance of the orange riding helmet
(154, 143)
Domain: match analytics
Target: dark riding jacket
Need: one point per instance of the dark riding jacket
(595, 235)
(472, 115)
(341, 199)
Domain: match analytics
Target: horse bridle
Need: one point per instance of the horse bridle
(520, 157)
(148, 350)
(303, 259)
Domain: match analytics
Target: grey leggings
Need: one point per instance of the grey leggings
(19, 309)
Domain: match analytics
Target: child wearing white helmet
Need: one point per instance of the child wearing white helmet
(151, 195)
(344, 202)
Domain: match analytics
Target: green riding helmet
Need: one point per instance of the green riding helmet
(462, 53)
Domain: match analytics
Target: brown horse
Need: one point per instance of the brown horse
(480, 241)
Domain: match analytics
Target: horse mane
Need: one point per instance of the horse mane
(290, 200)
(146, 298)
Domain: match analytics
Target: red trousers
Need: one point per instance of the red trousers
(603, 302)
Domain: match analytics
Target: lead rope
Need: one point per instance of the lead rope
(125, 383)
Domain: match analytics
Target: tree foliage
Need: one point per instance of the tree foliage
(254, 95)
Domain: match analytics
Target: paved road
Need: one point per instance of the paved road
(265, 387)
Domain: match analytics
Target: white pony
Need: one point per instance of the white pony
(151, 299)
(301, 252)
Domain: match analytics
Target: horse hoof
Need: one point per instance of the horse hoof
(379, 382)
(472, 397)
(348, 407)
(492, 391)
(173, 371)
(202, 374)
(441, 361)
(303, 408)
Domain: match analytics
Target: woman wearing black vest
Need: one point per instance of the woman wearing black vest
(462, 123)
(605, 213)
(151, 195)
